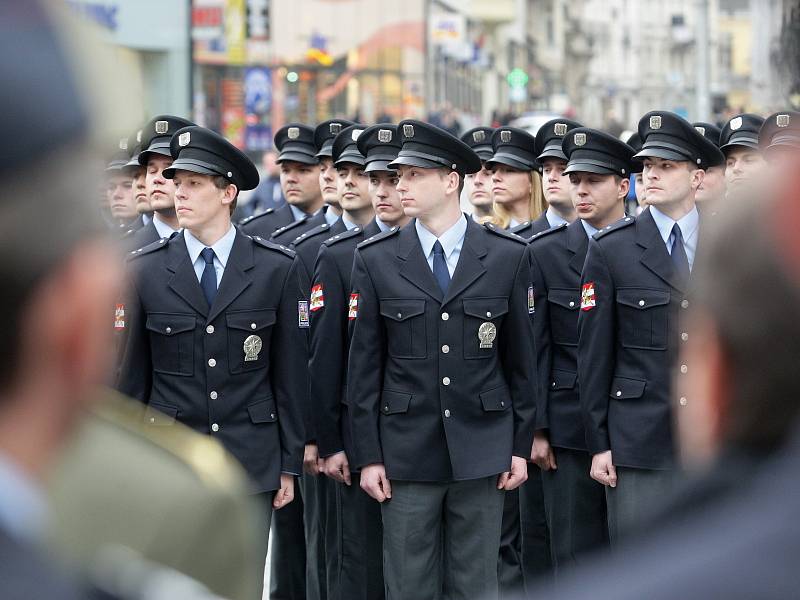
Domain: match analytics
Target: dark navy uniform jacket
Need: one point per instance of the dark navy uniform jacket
(144, 236)
(528, 229)
(633, 305)
(265, 224)
(330, 341)
(188, 361)
(557, 257)
(425, 399)
(307, 244)
(287, 233)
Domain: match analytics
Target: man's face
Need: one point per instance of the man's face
(120, 196)
(270, 166)
(555, 184)
(597, 198)
(713, 186)
(479, 188)
(140, 191)
(160, 190)
(385, 199)
(510, 185)
(327, 182)
(300, 183)
(641, 192)
(198, 201)
(423, 191)
(743, 166)
(669, 181)
(353, 187)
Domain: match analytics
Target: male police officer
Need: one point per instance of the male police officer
(478, 186)
(441, 376)
(216, 338)
(119, 191)
(555, 185)
(713, 187)
(744, 163)
(324, 135)
(598, 169)
(633, 292)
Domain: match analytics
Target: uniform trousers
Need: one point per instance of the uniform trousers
(636, 498)
(536, 562)
(509, 562)
(264, 515)
(441, 540)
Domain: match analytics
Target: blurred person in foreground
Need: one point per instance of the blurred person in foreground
(724, 535)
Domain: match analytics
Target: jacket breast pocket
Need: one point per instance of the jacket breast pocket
(643, 318)
(564, 306)
(405, 327)
(172, 343)
(483, 318)
(249, 333)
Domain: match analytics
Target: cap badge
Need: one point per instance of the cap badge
(782, 120)
(505, 136)
(183, 139)
(293, 133)
(384, 136)
(139, 136)
(560, 129)
(162, 127)
(355, 133)
(701, 130)
(736, 123)
(408, 131)
(123, 144)
(335, 128)
(655, 122)
(580, 139)
(478, 136)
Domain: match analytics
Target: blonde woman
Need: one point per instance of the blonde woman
(516, 185)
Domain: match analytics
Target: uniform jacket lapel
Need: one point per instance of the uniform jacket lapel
(235, 279)
(415, 266)
(578, 245)
(469, 267)
(184, 280)
(655, 256)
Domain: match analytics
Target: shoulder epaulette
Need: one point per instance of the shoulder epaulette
(345, 235)
(273, 246)
(520, 227)
(319, 229)
(379, 236)
(157, 245)
(621, 224)
(546, 232)
(503, 233)
(288, 227)
(269, 211)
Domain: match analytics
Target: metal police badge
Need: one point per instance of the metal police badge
(505, 136)
(487, 332)
(408, 131)
(560, 129)
(580, 139)
(185, 138)
(384, 136)
(782, 120)
(736, 123)
(355, 133)
(655, 122)
(123, 144)
(162, 127)
(478, 136)
(701, 130)
(252, 346)
(335, 128)
(293, 133)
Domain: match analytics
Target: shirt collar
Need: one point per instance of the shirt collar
(331, 217)
(554, 218)
(449, 240)
(146, 219)
(296, 212)
(348, 223)
(381, 225)
(222, 248)
(589, 229)
(513, 223)
(162, 228)
(688, 223)
(23, 508)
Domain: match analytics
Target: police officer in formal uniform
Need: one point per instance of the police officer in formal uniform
(744, 162)
(478, 186)
(598, 169)
(120, 193)
(555, 185)
(139, 175)
(209, 343)
(324, 135)
(779, 140)
(155, 157)
(637, 203)
(441, 372)
(299, 177)
(631, 326)
(713, 187)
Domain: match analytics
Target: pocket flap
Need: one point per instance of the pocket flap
(160, 414)
(263, 411)
(563, 380)
(485, 308)
(169, 324)
(496, 399)
(569, 299)
(250, 320)
(624, 388)
(394, 402)
(642, 298)
(400, 309)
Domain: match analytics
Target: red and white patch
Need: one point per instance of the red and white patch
(587, 296)
(119, 317)
(352, 311)
(317, 298)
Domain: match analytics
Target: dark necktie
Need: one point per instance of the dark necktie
(209, 279)
(440, 271)
(679, 258)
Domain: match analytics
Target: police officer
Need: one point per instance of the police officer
(478, 186)
(324, 135)
(598, 170)
(139, 175)
(119, 192)
(633, 298)
(209, 345)
(713, 187)
(440, 376)
(637, 201)
(744, 163)
(779, 139)
(555, 185)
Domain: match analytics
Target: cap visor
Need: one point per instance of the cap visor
(552, 151)
(325, 151)
(291, 156)
(377, 165)
(581, 167)
(499, 159)
(179, 165)
(351, 158)
(144, 156)
(414, 161)
(661, 153)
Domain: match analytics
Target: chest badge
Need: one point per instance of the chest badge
(487, 332)
(252, 346)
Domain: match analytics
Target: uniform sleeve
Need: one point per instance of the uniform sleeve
(135, 377)
(309, 426)
(289, 355)
(366, 364)
(327, 361)
(519, 360)
(596, 330)
(543, 340)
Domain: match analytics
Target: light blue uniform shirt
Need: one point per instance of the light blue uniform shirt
(348, 223)
(690, 227)
(452, 241)
(554, 218)
(590, 230)
(381, 225)
(162, 228)
(331, 217)
(296, 212)
(23, 509)
(222, 251)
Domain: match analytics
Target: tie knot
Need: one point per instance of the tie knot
(676, 231)
(437, 248)
(208, 255)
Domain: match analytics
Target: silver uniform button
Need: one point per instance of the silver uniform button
(684, 304)
(152, 419)
(619, 393)
(445, 349)
(447, 413)
(446, 380)
(399, 315)
(445, 316)
(489, 314)
(684, 369)
(683, 401)
(271, 415)
(210, 329)
(213, 395)
(684, 336)
(168, 330)
(571, 304)
(641, 302)
(215, 427)
(252, 325)
(212, 362)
